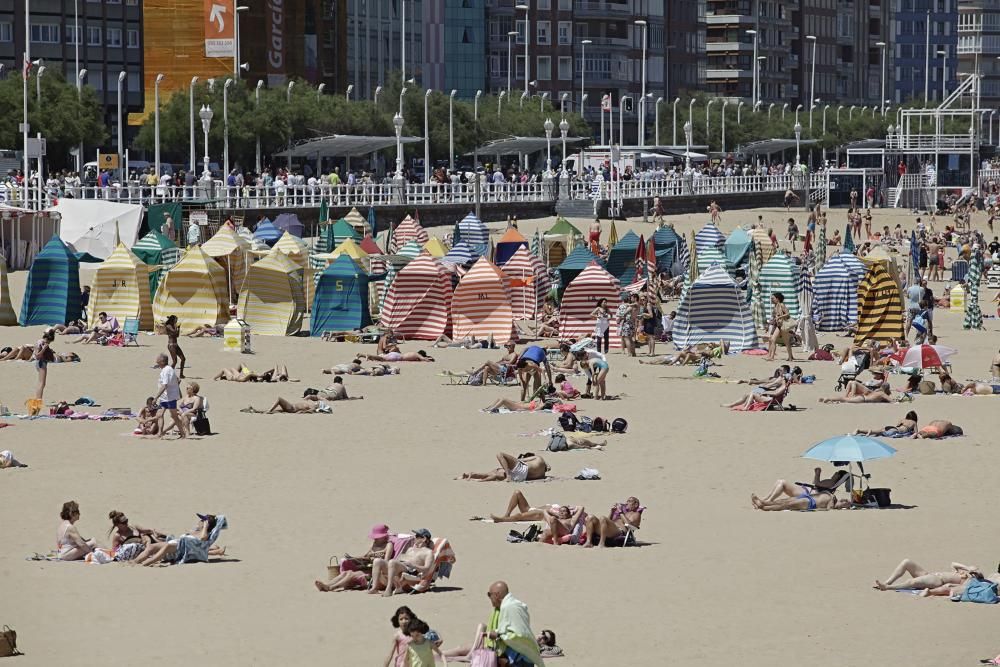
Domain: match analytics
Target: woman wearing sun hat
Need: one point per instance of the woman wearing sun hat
(354, 571)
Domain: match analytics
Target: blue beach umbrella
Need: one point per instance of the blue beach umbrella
(849, 448)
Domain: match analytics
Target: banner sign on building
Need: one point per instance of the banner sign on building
(220, 28)
(274, 20)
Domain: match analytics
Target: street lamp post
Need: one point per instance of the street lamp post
(825, 109)
(797, 110)
(739, 107)
(121, 132)
(402, 42)
(500, 101)
(288, 93)
(378, 91)
(725, 103)
(397, 123)
(850, 113)
(427, 138)
(38, 86)
(524, 96)
(756, 76)
(770, 107)
(451, 129)
(642, 100)
(621, 118)
(81, 75)
(548, 125)
(798, 137)
(674, 138)
(882, 45)
(475, 128)
(583, 75)
(206, 123)
(839, 107)
(510, 58)
(347, 95)
(656, 122)
(784, 108)
(225, 129)
(541, 102)
(687, 137)
(156, 123)
(402, 91)
(236, 40)
(256, 94)
(708, 138)
(527, 40)
(562, 105)
(563, 130)
(194, 163)
(812, 79)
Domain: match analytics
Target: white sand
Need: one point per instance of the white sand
(720, 584)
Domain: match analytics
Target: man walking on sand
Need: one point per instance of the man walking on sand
(510, 627)
(168, 395)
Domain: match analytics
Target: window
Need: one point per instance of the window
(115, 37)
(565, 32)
(6, 32)
(132, 39)
(131, 2)
(520, 32)
(544, 4)
(45, 33)
(93, 36)
(565, 68)
(565, 5)
(518, 67)
(72, 35)
(543, 30)
(544, 68)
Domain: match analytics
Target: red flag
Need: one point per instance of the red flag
(27, 68)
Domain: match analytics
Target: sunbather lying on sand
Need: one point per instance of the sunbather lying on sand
(798, 490)
(761, 394)
(622, 517)
(691, 355)
(207, 330)
(302, 407)
(419, 355)
(978, 389)
(335, 392)
(279, 373)
(930, 583)
(192, 547)
(939, 428)
(522, 468)
(355, 368)
(821, 501)
(469, 342)
(76, 327)
(518, 509)
(25, 353)
(519, 406)
(906, 426)
(881, 395)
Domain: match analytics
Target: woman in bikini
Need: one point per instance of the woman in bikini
(419, 355)
(906, 426)
(206, 330)
(383, 546)
(172, 330)
(127, 541)
(939, 428)
(881, 395)
(797, 490)
(69, 543)
(920, 579)
(781, 327)
(599, 373)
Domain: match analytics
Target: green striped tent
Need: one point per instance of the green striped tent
(780, 274)
(973, 314)
(156, 249)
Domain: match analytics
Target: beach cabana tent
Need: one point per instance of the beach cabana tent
(195, 291)
(159, 253)
(436, 248)
(508, 245)
(621, 257)
(780, 274)
(880, 310)
(121, 288)
(351, 249)
(714, 309)
(460, 254)
(767, 250)
(295, 248)
(335, 234)
(472, 230)
(95, 226)
(358, 222)
(272, 301)
(835, 293)
(879, 255)
(737, 246)
(709, 256)
(266, 232)
(369, 246)
(709, 236)
(481, 306)
(528, 283)
(560, 241)
(341, 302)
(410, 250)
(289, 222)
(418, 303)
(667, 244)
(52, 294)
(580, 299)
(577, 261)
(8, 317)
(406, 231)
(230, 250)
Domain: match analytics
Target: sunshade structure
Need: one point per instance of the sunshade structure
(358, 222)
(560, 241)
(780, 274)
(472, 230)
(266, 232)
(821, 246)
(577, 261)
(351, 249)
(835, 293)
(713, 310)
(195, 291)
(848, 241)
(767, 249)
(757, 311)
(94, 226)
(52, 294)
(481, 306)
(121, 288)
(341, 301)
(737, 246)
(849, 449)
(580, 299)
(508, 245)
(230, 250)
(460, 254)
(925, 356)
(436, 248)
(156, 250)
(272, 301)
(418, 303)
(710, 256)
(528, 282)
(411, 250)
(973, 318)
(369, 246)
(8, 317)
(667, 244)
(289, 222)
(406, 231)
(880, 313)
(334, 234)
(621, 257)
(709, 236)
(879, 255)
(294, 248)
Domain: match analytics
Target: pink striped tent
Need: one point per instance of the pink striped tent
(406, 231)
(528, 282)
(481, 306)
(580, 299)
(418, 304)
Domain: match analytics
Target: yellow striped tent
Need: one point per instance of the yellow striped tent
(230, 250)
(295, 248)
(194, 290)
(880, 311)
(121, 288)
(358, 221)
(272, 301)
(8, 318)
(879, 255)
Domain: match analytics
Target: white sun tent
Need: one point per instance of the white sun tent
(89, 226)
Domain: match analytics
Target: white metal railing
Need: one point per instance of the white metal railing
(929, 142)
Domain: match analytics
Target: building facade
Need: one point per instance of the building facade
(373, 36)
(924, 49)
(979, 46)
(455, 46)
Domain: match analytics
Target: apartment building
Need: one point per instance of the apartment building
(924, 49)
(979, 46)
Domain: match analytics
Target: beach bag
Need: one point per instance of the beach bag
(982, 591)
(201, 424)
(8, 643)
(619, 425)
(920, 323)
(586, 425)
(568, 421)
(557, 443)
(481, 656)
(601, 425)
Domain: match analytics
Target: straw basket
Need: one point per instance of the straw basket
(333, 569)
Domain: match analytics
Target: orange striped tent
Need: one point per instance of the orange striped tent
(481, 306)
(580, 299)
(418, 304)
(528, 282)
(406, 231)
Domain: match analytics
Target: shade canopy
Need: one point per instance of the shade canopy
(849, 448)
(344, 145)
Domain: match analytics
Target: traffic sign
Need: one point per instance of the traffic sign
(107, 160)
(36, 147)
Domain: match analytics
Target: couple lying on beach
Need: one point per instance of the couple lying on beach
(566, 524)
(907, 428)
(137, 545)
(278, 373)
(908, 575)
(355, 368)
(313, 400)
(394, 563)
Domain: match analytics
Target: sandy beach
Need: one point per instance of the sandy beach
(717, 583)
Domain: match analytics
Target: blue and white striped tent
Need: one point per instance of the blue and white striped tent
(713, 309)
(341, 300)
(737, 247)
(667, 244)
(472, 230)
(780, 274)
(709, 236)
(622, 256)
(460, 254)
(52, 294)
(835, 292)
(710, 256)
(267, 232)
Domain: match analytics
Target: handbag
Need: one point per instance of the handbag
(481, 656)
(983, 591)
(8, 643)
(201, 424)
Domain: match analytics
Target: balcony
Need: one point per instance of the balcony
(727, 74)
(602, 9)
(728, 47)
(730, 19)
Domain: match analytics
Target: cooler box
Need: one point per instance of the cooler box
(957, 299)
(236, 337)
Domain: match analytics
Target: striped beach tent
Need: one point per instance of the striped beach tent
(767, 249)
(230, 250)
(342, 298)
(481, 305)
(8, 317)
(406, 231)
(121, 288)
(360, 224)
(880, 312)
(528, 282)
(667, 243)
(353, 250)
(835, 293)
(472, 230)
(289, 222)
(580, 299)
(737, 246)
(436, 248)
(973, 318)
(708, 256)
(576, 262)
(879, 255)
(410, 250)
(709, 236)
(621, 257)
(334, 234)
(266, 232)
(781, 274)
(560, 241)
(273, 300)
(713, 309)
(418, 303)
(195, 290)
(295, 248)
(508, 245)
(757, 311)
(156, 250)
(459, 255)
(52, 294)
(369, 246)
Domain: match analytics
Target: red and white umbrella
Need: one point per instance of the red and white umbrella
(925, 356)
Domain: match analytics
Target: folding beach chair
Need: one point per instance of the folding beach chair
(444, 559)
(130, 331)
